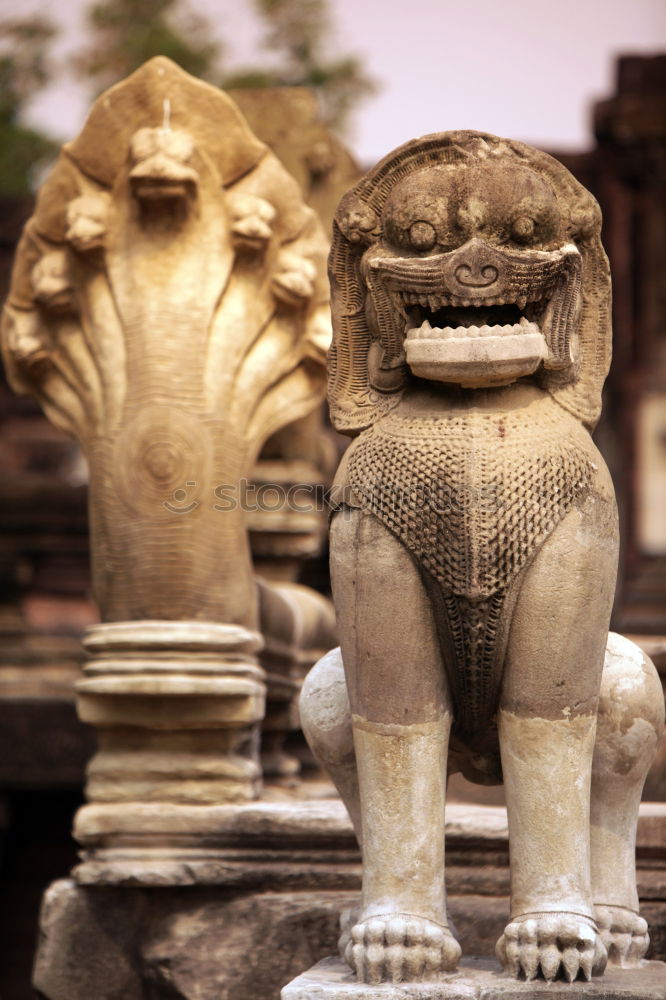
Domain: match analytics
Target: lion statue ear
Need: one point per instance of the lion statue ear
(579, 390)
(354, 404)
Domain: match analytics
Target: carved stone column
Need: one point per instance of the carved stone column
(168, 309)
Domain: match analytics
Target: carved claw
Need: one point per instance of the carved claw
(529, 960)
(251, 221)
(570, 963)
(293, 282)
(508, 954)
(552, 945)
(400, 948)
(549, 959)
(624, 934)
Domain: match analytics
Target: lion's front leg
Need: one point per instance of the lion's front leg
(546, 766)
(547, 726)
(401, 720)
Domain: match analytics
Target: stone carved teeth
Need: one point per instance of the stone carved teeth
(428, 332)
(434, 301)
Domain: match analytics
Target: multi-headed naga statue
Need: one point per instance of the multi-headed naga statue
(474, 549)
(168, 308)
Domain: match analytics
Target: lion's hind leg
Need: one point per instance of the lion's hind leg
(630, 722)
(327, 725)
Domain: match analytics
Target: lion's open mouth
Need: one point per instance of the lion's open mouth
(442, 316)
(478, 315)
(474, 342)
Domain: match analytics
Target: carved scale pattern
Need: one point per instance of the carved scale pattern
(474, 630)
(472, 496)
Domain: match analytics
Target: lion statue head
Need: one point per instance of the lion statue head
(468, 259)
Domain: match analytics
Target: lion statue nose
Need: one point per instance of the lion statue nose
(476, 275)
(473, 266)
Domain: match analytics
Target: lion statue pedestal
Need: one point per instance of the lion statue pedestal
(473, 554)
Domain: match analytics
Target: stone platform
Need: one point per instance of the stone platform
(478, 979)
(245, 912)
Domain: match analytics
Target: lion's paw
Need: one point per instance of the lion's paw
(624, 934)
(552, 944)
(399, 948)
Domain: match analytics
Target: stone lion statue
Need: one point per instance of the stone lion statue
(473, 555)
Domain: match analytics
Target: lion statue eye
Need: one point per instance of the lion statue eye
(522, 228)
(422, 235)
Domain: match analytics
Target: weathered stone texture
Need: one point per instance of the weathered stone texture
(271, 908)
(179, 944)
(478, 980)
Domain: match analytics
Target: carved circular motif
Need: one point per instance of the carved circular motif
(357, 221)
(522, 228)
(422, 235)
(162, 462)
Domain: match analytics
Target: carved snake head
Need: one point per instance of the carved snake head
(162, 169)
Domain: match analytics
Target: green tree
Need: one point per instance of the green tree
(125, 33)
(24, 70)
(297, 33)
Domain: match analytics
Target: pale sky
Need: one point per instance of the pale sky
(525, 69)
